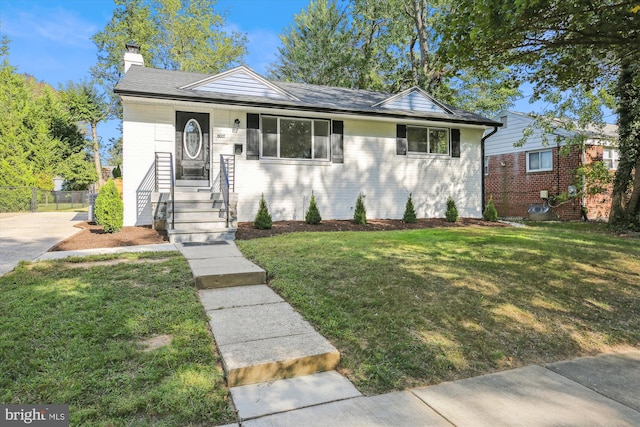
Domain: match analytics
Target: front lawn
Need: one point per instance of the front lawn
(409, 308)
(123, 342)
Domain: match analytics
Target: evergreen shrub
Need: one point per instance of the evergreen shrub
(409, 212)
(360, 214)
(108, 209)
(452, 211)
(490, 212)
(313, 214)
(263, 217)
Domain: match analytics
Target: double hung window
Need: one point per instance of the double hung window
(428, 140)
(293, 138)
(539, 161)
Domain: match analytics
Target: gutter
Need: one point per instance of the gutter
(495, 129)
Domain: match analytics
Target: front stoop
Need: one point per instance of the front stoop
(261, 338)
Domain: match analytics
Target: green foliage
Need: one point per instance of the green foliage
(360, 213)
(409, 212)
(263, 217)
(386, 45)
(116, 172)
(108, 208)
(97, 324)
(490, 212)
(451, 214)
(313, 214)
(175, 35)
(37, 133)
(597, 177)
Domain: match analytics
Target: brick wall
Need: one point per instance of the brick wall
(514, 189)
(598, 206)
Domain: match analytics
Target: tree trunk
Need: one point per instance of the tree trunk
(96, 154)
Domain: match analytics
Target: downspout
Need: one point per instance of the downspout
(495, 129)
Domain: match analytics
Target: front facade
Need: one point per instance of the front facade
(286, 141)
(519, 176)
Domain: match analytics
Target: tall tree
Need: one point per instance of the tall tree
(386, 45)
(584, 47)
(188, 35)
(87, 105)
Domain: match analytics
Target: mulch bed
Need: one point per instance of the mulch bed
(93, 236)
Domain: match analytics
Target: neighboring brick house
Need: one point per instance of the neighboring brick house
(516, 176)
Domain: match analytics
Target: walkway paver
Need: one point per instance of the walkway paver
(26, 236)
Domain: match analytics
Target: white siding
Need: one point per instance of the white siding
(240, 83)
(370, 165)
(414, 101)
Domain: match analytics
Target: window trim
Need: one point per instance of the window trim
(541, 169)
(428, 152)
(614, 159)
(308, 119)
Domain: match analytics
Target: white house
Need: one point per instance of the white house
(285, 141)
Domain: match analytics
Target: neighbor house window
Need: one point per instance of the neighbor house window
(428, 140)
(610, 157)
(538, 161)
(486, 165)
(289, 138)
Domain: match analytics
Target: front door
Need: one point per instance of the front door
(192, 149)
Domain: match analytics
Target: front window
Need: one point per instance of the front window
(610, 157)
(539, 161)
(288, 138)
(428, 140)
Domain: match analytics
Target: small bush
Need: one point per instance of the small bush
(360, 214)
(108, 210)
(313, 214)
(409, 212)
(452, 211)
(263, 217)
(117, 172)
(490, 212)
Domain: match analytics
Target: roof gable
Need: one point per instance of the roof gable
(240, 81)
(413, 99)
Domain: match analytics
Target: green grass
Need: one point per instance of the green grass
(410, 308)
(74, 333)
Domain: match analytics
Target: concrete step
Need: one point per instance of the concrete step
(195, 205)
(257, 400)
(226, 272)
(263, 339)
(196, 195)
(211, 224)
(190, 235)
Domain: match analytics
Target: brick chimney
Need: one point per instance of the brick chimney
(132, 56)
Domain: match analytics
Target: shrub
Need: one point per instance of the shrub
(108, 208)
(452, 211)
(313, 214)
(263, 217)
(490, 212)
(117, 173)
(409, 212)
(360, 214)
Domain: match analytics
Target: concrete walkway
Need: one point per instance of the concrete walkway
(592, 391)
(25, 236)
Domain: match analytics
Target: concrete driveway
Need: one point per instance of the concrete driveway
(26, 236)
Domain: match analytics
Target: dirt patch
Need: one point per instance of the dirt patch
(246, 230)
(156, 342)
(93, 236)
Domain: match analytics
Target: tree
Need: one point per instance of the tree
(185, 35)
(263, 219)
(313, 214)
(386, 45)
(451, 215)
(409, 212)
(88, 106)
(565, 48)
(360, 213)
(109, 208)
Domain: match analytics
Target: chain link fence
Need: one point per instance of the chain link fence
(25, 199)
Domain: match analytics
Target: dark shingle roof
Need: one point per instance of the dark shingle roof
(166, 84)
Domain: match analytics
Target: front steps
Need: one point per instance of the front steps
(198, 217)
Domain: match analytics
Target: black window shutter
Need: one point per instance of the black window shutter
(337, 142)
(253, 136)
(455, 142)
(401, 140)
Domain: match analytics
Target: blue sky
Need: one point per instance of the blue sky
(51, 39)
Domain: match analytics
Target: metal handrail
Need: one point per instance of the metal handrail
(224, 185)
(173, 194)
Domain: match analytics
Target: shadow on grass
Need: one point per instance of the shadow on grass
(421, 307)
